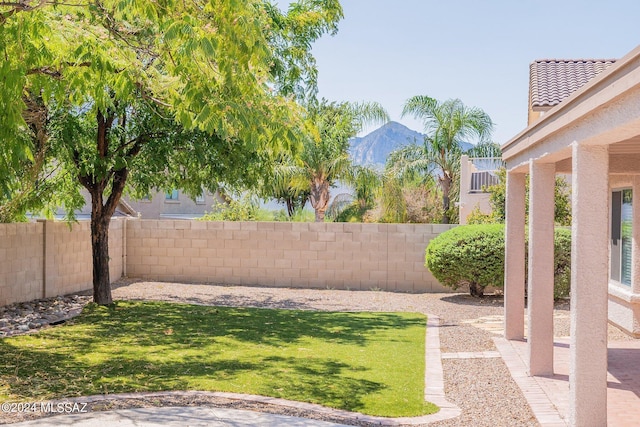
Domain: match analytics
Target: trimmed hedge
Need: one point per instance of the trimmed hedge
(473, 255)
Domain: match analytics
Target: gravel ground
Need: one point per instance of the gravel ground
(482, 388)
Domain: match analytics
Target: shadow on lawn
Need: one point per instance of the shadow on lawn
(191, 324)
(149, 347)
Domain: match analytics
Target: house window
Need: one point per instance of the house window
(481, 180)
(200, 199)
(621, 234)
(172, 195)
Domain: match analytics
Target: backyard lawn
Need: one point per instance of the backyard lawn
(367, 362)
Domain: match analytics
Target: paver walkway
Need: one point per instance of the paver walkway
(549, 396)
(176, 417)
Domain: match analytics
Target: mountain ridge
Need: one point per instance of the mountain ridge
(375, 147)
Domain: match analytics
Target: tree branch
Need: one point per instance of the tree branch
(55, 73)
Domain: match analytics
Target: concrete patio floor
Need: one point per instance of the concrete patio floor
(549, 396)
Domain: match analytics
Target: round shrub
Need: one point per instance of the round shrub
(470, 255)
(473, 255)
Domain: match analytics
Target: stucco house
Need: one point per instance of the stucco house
(476, 174)
(584, 121)
(159, 205)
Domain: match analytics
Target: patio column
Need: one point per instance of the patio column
(589, 283)
(514, 257)
(540, 287)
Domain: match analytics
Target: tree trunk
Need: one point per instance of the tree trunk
(102, 211)
(445, 183)
(319, 197)
(100, 218)
(100, 252)
(290, 206)
(476, 290)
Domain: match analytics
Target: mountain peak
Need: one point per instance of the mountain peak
(374, 148)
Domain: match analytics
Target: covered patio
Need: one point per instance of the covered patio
(593, 135)
(548, 396)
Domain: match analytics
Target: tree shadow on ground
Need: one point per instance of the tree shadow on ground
(190, 324)
(150, 347)
(487, 301)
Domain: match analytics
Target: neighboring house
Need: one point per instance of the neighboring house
(174, 205)
(84, 214)
(159, 205)
(585, 121)
(476, 174)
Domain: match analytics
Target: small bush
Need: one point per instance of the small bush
(478, 217)
(473, 255)
(470, 255)
(244, 209)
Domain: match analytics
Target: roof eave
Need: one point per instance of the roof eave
(533, 133)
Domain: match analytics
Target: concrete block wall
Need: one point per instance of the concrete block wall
(45, 259)
(21, 262)
(334, 255)
(71, 250)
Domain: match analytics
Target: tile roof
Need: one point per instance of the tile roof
(552, 80)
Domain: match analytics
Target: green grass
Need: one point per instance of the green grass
(366, 362)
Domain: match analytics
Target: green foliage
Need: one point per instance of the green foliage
(203, 66)
(485, 149)
(447, 125)
(325, 154)
(352, 213)
(292, 32)
(497, 199)
(366, 184)
(394, 205)
(244, 209)
(478, 217)
(473, 255)
(170, 94)
(470, 255)
(562, 195)
(299, 215)
(287, 184)
(367, 362)
(562, 263)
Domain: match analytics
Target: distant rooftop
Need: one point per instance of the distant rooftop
(553, 80)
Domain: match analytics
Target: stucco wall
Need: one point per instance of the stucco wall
(158, 206)
(333, 255)
(470, 200)
(48, 258)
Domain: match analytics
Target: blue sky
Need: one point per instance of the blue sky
(475, 50)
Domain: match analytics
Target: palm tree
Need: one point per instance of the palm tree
(446, 124)
(366, 183)
(287, 184)
(325, 154)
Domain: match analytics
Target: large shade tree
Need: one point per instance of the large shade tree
(447, 124)
(157, 94)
